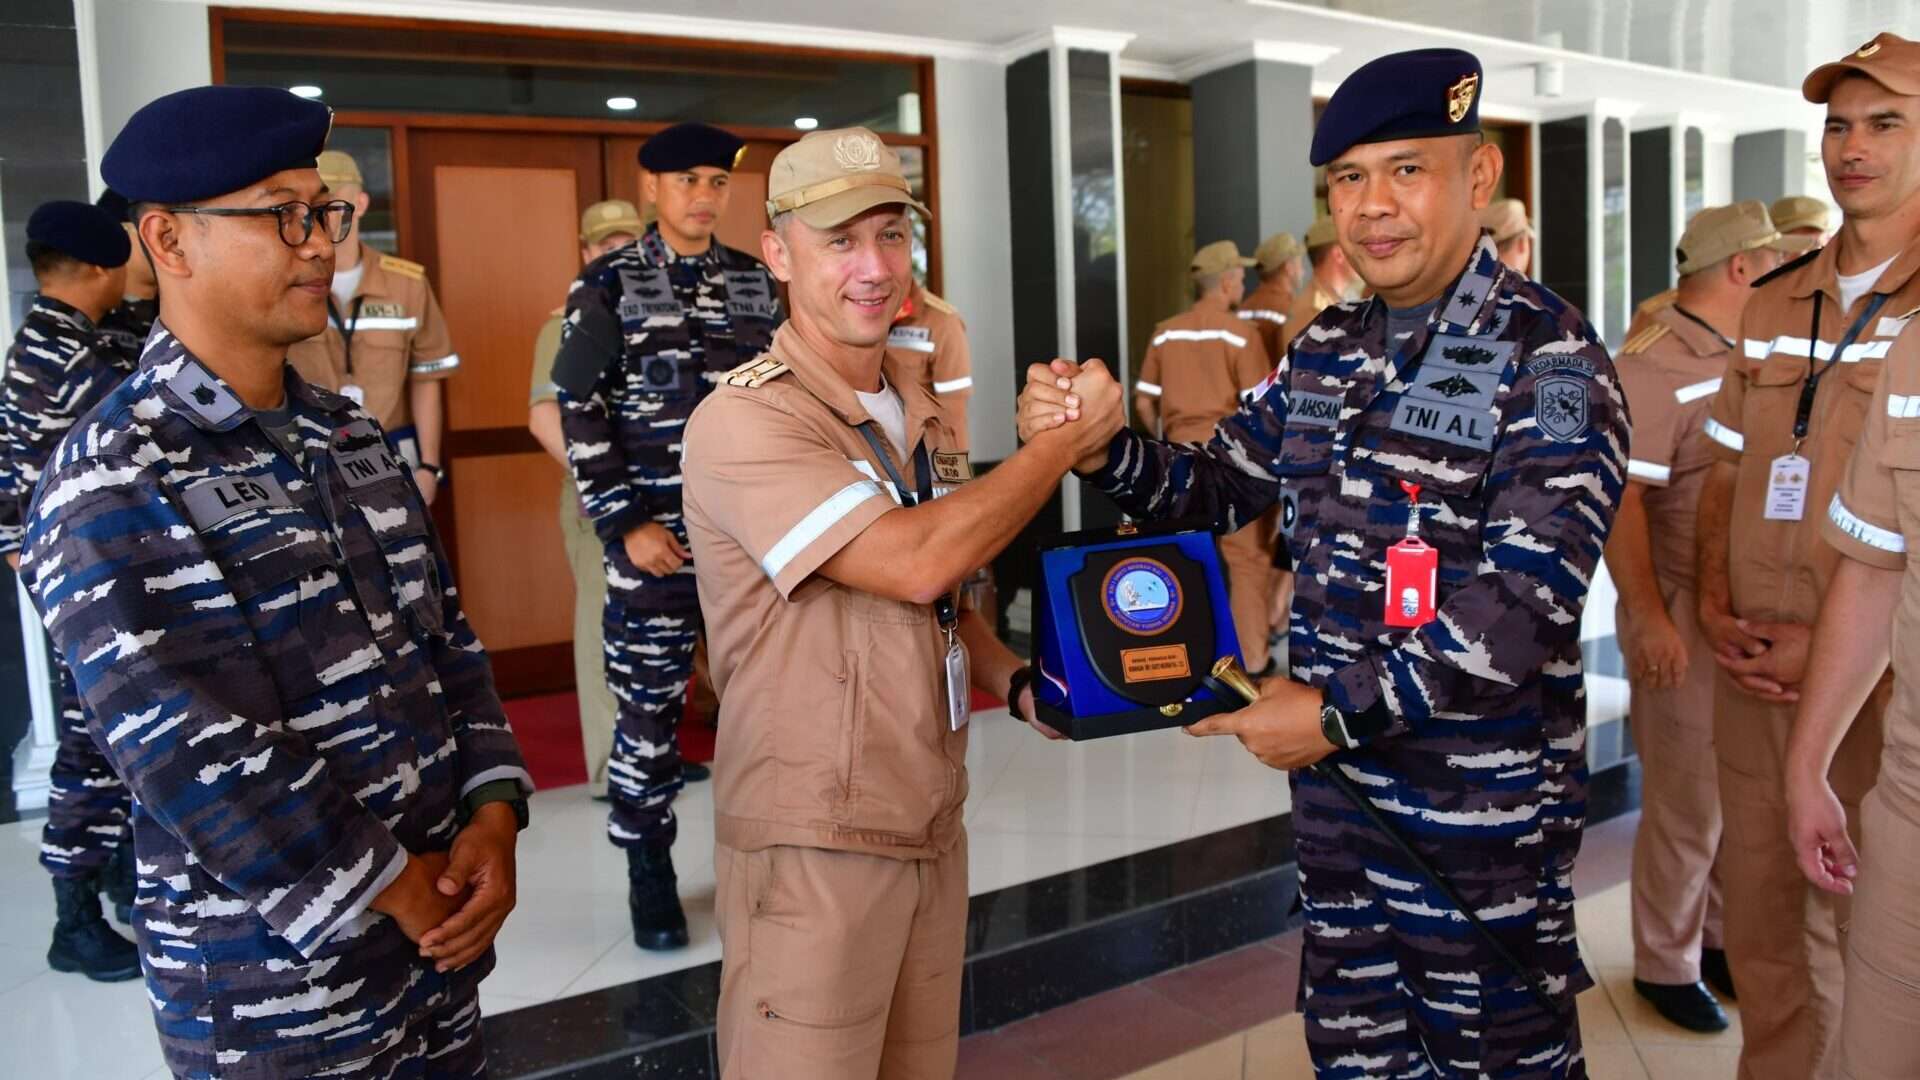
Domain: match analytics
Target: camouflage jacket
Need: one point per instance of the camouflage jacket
(1506, 411)
(127, 326)
(273, 657)
(60, 366)
(683, 323)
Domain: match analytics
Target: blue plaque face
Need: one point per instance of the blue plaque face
(1142, 596)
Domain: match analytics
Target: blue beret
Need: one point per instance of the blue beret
(81, 230)
(690, 146)
(116, 204)
(211, 140)
(1410, 95)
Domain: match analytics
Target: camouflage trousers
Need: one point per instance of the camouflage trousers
(443, 1045)
(650, 629)
(87, 806)
(1393, 985)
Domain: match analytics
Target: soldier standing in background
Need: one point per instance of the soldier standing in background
(1333, 282)
(1512, 233)
(929, 331)
(60, 366)
(606, 226)
(127, 325)
(1801, 215)
(649, 328)
(1282, 264)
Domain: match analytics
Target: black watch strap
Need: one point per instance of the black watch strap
(438, 472)
(1022, 679)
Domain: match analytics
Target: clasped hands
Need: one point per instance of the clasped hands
(453, 903)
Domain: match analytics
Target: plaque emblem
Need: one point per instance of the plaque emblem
(1460, 97)
(1141, 596)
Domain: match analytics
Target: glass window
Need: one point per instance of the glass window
(460, 70)
(1613, 228)
(1696, 172)
(371, 148)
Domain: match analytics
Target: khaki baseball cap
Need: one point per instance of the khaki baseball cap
(337, 169)
(1720, 232)
(1889, 59)
(1798, 212)
(603, 219)
(830, 177)
(1276, 250)
(1322, 233)
(1507, 218)
(1217, 258)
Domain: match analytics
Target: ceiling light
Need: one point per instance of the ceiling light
(806, 123)
(305, 91)
(622, 104)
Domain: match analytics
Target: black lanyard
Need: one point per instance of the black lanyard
(1709, 326)
(917, 495)
(346, 328)
(1816, 370)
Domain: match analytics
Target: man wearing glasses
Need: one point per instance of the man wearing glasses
(385, 343)
(261, 624)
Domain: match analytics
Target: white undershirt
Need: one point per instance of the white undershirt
(1855, 286)
(345, 284)
(886, 409)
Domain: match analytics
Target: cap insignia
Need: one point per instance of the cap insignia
(1460, 97)
(857, 153)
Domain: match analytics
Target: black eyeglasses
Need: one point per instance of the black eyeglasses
(296, 218)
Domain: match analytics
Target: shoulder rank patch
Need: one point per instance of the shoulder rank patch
(394, 264)
(1640, 342)
(755, 373)
(937, 304)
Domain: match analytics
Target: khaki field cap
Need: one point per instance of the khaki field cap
(1889, 59)
(603, 219)
(1275, 250)
(831, 177)
(1721, 232)
(1507, 218)
(337, 169)
(1322, 233)
(1798, 212)
(1217, 258)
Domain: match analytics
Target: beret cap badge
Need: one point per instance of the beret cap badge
(1460, 96)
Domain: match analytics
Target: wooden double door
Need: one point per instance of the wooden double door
(495, 216)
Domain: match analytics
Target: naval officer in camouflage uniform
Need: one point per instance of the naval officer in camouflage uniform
(269, 645)
(649, 329)
(1491, 398)
(60, 366)
(127, 325)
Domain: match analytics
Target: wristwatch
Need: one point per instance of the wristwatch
(1022, 679)
(1349, 731)
(439, 474)
(1334, 727)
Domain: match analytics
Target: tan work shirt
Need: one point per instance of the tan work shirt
(396, 332)
(1670, 372)
(1308, 303)
(1780, 569)
(1265, 309)
(546, 346)
(1198, 364)
(1643, 314)
(931, 339)
(1875, 519)
(836, 734)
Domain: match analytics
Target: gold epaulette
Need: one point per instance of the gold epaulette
(1656, 302)
(1643, 340)
(394, 264)
(755, 373)
(938, 304)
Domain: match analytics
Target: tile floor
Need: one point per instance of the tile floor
(1036, 808)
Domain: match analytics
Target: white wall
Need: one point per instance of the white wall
(146, 49)
(977, 267)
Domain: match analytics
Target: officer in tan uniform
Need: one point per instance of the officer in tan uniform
(1512, 233)
(605, 226)
(1800, 215)
(1872, 609)
(831, 519)
(1198, 365)
(1778, 469)
(386, 345)
(1670, 373)
(1282, 263)
(929, 333)
(1333, 281)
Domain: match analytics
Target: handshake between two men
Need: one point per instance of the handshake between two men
(1283, 729)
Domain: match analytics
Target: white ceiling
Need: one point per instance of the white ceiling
(1728, 65)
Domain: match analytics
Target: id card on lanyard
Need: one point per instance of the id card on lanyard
(349, 389)
(958, 679)
(1789, 474)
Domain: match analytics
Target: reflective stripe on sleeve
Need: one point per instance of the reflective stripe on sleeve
(384, 323)
(1797, 347)
(1647, 470)
(816, 523)
(1145, 387)
(1865, 531)
(1697, 391)
(1903, 406)
(1263, 315)
(1725, 435)
(1231, 338)
(429, 367)
(953, 385)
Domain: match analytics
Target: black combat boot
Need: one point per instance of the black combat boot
(82, 940)
(117, 881)
(653, 898)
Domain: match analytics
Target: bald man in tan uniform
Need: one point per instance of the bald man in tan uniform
(1670, 373)
(1333, 281)
(1801, 215)
(929, 334)
(1784, 937)
(1282, 263)
(1198, 364)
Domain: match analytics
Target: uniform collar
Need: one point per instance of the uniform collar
(64, 312)
(655, 250)
(823, 381)
(1822, 274)
(192, 390)
(1466, 307)
(1700, 340)
(373, 279)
